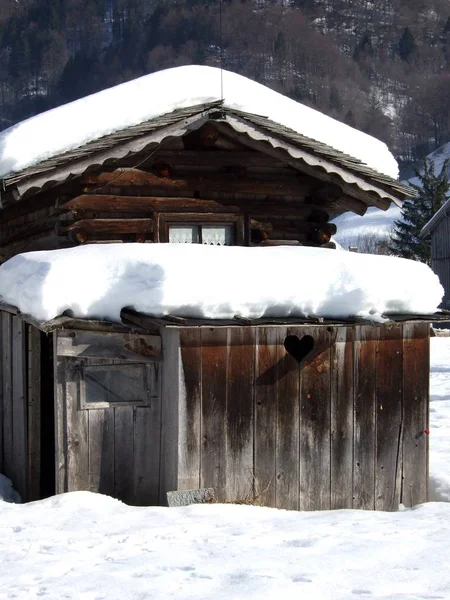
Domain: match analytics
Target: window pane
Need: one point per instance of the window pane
(217, 235)
(115, 383)
(184, 234)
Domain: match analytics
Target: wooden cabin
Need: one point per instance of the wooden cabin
(205, 174)
(293, 414)
(438, 228)
(289, 413)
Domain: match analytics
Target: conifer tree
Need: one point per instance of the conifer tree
(432, 193)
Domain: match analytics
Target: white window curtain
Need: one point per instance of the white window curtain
(217, 235)
(184, 234)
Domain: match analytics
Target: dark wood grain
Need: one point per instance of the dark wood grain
(288, 425)
(214, 354)
(416, 342)
(364, 440)
(190, 410)
(101, 451)
(34, 412)
(19, 407)
(315, 424)
(124, 453)
(342, 392)
(266, 400)
(389, 378)
(239, 414)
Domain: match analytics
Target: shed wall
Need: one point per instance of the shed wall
(341, 429)
(440, 257)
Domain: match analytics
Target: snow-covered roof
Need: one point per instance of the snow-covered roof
(214, 282)
(75, 124)
(436, 219)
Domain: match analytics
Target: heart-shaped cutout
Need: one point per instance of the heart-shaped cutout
(299, 348)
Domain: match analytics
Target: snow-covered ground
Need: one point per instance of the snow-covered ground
(83, 546)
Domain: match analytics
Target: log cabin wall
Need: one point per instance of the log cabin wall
(343, 428)
(202, 178)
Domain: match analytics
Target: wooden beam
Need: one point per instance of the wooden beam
(218, 158)
(112, 225)
(213, 183)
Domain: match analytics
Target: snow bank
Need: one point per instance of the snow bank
(87, 546)
(90, 118)
(215, 282)
(7, 492)
(440, 419)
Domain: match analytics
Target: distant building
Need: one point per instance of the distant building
(438, 227)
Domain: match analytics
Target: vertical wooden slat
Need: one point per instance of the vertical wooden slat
(389, 377)
(101, 450)
(214, 356)
(171, 375)
(19, 408)
(415, 412)
(315, 425)
(190, 410)
(342, 418)
(34, 412)
(1, 397)
(364, 440)
(8, 451)
(288, 425)
(239, 415)
(124, 420)
(77, 431)
(60, 421)
(146, 453)
(266, 398)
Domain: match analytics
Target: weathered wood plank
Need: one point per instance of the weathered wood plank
(123, 346)
(147, 435)
(288, 425)
(266, 399)
(19, 407)
(416, 341)
(34, 412)
(126, 177)
(240, 414)
(101, 451)
(1, 396)
(214, 354)
(115, 226)
(364, 437)
(170, 391)
(60, 421)
(77, 424)
(342, 363)
(190, 410)
(124, 421)
(119, 204)
(8, 451)
(315, 425)
(389, 377)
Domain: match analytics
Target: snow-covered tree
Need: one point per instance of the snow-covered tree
(432, 193)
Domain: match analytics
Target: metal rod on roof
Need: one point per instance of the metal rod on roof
(221, 49)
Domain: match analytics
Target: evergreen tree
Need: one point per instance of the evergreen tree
(433, 190)
(406, 45)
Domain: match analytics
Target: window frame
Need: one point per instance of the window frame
(165, 220)
(120, 364)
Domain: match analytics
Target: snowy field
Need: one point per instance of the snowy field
(83, 546)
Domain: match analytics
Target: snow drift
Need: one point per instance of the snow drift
(74, 124)
(215, 282)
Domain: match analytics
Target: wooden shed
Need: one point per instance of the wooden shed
(438, 228)
(294, 414)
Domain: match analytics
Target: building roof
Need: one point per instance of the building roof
(306, 151)
(436, 219)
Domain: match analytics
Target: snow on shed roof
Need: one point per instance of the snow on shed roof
(72, 125)
(214, 282)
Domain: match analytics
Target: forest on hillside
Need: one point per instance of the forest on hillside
(382, 66)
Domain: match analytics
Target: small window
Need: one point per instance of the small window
(103, 385)
(214, 235)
